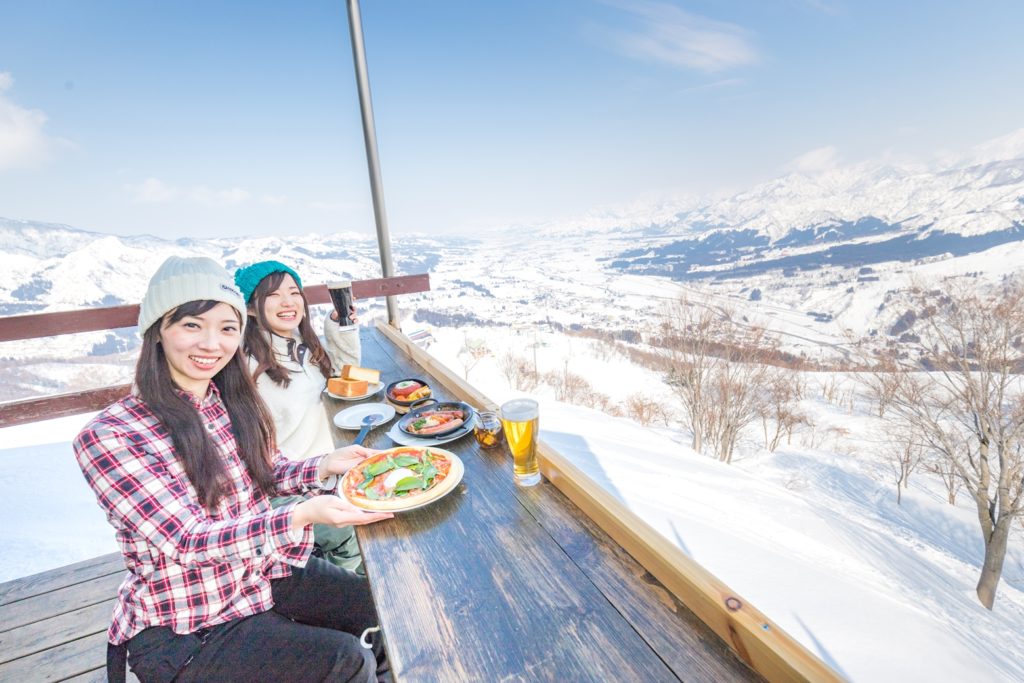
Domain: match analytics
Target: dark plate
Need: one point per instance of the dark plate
(424, 407)
(399, 402)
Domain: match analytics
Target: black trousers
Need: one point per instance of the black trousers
(311, 634)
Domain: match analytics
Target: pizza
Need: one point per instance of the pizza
(401, 478)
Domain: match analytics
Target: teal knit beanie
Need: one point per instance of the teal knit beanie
(249, 278)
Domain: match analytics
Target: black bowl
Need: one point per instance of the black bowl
(423, 408)
(401, 405)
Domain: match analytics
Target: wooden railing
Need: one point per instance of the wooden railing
(36, 325)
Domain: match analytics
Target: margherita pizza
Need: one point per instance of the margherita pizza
(401, 478)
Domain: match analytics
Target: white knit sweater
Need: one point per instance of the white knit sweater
(299, 413)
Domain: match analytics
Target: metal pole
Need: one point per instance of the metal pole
(380, 215)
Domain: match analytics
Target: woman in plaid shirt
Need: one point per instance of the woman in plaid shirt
(220, 585)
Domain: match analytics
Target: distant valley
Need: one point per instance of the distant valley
(818, 260)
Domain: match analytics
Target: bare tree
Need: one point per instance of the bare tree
(904, 454)
(969, 410)
(643, 409)
(512, 367)
(882, 381)
(944, 470)
(602, 402)
(568, 386)
(780, 410)
(688, 335)
(719, 369)
(831, 390)
(528, 378)
(738, 388)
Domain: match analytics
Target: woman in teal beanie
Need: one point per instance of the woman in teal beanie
(291, 368)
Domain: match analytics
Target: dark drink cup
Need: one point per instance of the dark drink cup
(341, 297)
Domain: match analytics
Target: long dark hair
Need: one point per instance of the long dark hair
(251, 422)
(258, 346)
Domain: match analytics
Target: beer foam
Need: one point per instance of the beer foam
(520, 409)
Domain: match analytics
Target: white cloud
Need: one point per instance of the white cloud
(667, 34)
(724, 83)
(208, 197)
(152, 191)
(328, 206)
(23, 141)
(816, 161)
(156, 191)
(274, 200)
(826, 6)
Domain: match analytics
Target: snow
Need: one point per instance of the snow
(810, 535)
(50, 514)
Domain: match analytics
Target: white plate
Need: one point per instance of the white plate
(352, 418)
(372, 389)
(443, 489)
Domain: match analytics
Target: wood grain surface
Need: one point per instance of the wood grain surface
(753, 637)
(53, 625)
(500, 583)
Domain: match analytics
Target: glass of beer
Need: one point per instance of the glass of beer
(520, 419)
(341, 297)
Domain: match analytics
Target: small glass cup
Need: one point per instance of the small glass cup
(488, 429)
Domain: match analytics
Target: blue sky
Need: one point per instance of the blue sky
(223, 118)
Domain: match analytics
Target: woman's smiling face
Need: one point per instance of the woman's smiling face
(197, 347)
(284, 307)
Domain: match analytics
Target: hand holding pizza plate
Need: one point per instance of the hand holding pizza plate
(402, 478)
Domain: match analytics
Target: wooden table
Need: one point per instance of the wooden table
(495, 582)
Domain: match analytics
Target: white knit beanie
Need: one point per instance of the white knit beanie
(180, 280)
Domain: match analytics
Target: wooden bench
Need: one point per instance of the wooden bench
(53, 625)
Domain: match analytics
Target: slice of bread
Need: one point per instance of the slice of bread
(339, 386)
(356, 372)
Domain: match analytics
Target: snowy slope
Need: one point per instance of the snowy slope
(811, 537)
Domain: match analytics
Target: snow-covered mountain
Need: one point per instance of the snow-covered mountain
(859, 215)
(979, 197)
(55, 267)
(816, 257)
(976, 192)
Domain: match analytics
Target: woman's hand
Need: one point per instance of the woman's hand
(344, 459)
(351, 315)
(332, 510)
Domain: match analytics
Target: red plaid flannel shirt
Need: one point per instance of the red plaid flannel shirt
(189, 568)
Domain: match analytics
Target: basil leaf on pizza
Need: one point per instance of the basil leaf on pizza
(401, 478)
